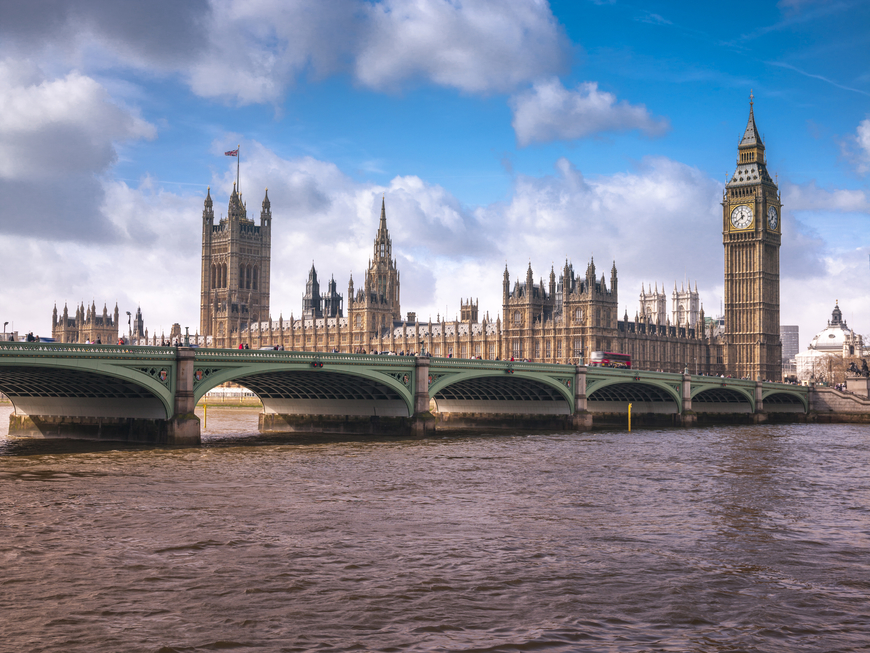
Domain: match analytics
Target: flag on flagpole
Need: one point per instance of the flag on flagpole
(232, 153)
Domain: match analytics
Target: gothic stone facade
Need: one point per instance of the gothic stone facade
(236, 254)
(752, 234)
(86, 325)
(562, 321)
(559, 323)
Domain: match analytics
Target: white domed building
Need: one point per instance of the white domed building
(829, 350)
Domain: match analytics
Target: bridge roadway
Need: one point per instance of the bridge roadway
(148, 394)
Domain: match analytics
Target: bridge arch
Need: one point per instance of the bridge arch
(646, 396)
(723, 399)
(287, 387)
(501, 391)
(778, 400)
(88, 388)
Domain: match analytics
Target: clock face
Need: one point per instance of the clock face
(772, 217)
(741, 217)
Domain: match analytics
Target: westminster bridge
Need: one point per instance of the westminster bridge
(148, 394)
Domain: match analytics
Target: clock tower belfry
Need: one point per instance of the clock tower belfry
(751, 233)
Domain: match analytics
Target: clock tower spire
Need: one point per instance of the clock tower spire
(751, 234)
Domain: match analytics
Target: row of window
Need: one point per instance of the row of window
(249, 276)
(578, 316)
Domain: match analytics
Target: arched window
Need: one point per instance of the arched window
(213, 276)
(518, 318)
(224, 283)
(256, 274)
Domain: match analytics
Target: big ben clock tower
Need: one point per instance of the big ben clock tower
(751, 233)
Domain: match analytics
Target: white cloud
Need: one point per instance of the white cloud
(57, 136)
(58, 126)
(855, 148)
(810, 302)
(809, 197)
(143, 267)
(481, 46)
(252, 52)
(549, 112)
(862, 140)
(158, 34)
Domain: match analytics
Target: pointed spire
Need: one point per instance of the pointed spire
(750, 136)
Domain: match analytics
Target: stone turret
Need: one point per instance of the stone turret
(311, 304)
(613, 280)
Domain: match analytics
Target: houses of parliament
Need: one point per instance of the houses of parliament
(561, 320)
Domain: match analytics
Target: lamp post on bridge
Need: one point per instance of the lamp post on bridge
(129, 327)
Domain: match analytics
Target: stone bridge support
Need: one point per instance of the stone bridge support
(582, 416)
(760, 415)
(687, 415)
(422, 422)
(183, 427)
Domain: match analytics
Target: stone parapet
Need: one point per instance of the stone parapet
(829, 400)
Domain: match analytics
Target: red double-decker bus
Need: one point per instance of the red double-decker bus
(609, 359)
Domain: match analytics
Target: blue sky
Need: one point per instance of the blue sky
(514, 133)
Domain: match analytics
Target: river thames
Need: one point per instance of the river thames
(753, 538)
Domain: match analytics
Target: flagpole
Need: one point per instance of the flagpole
(238, 161)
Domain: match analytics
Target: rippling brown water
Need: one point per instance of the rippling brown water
(720, 539)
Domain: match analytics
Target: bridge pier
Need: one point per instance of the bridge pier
(112, 429)
(760, 417)
(184, 428)
(423, 421)
(582, 418)
(687, 416)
